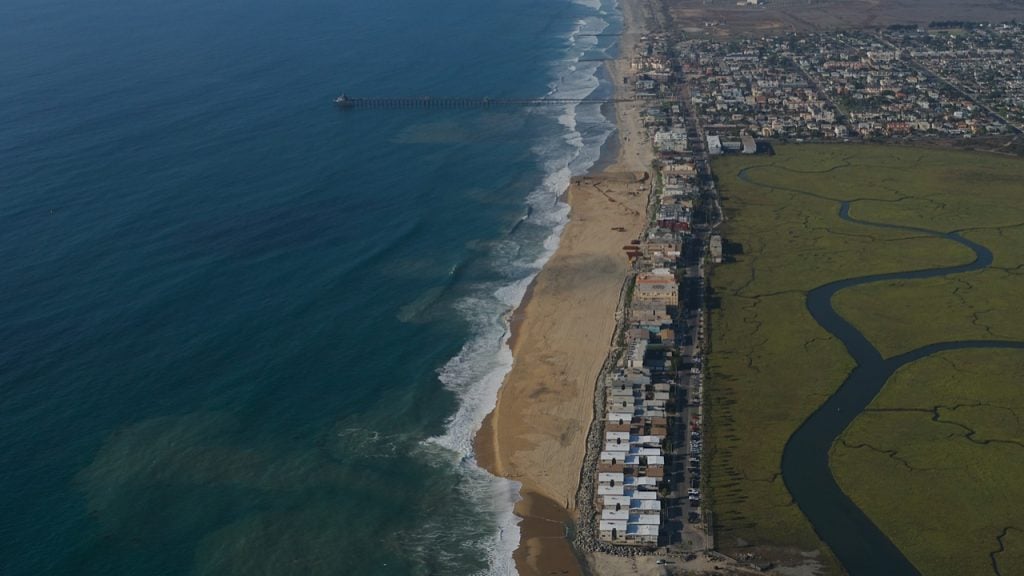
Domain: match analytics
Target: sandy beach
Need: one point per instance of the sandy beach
(562, 335)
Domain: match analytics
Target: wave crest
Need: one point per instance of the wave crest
(476, 373)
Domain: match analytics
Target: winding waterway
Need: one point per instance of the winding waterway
(862, 548)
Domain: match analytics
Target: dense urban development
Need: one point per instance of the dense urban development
(952, 84)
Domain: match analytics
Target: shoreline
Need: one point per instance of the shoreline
(560, 334)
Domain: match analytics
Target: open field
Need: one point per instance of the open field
(981, 196)
(771, 365)
(903, 315)
(936, 460)
(782, 16)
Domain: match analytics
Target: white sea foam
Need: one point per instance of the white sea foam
(476, 373)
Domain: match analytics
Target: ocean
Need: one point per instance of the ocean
(246, 332)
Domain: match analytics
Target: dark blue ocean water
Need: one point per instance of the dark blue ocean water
(244, 332)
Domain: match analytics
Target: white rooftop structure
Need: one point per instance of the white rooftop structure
(620, 417)
(637, 351)
(608, 456)
(640, 494)
(621, 501)
(619, 393)
(623, 403)
(714, 144)
(644, 530)
(613, 530)
(613, 436)
(634, 460)
(610, 477)
(642, 482)
(644, 505)
(606, 490)
(610, 525)
(613, 514)
(647, 519)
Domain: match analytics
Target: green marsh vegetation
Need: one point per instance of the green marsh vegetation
(936, 461)
(772, 365)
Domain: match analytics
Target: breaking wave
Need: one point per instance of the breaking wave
(576, 136)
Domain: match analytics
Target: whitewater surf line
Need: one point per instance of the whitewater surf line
(861, 547)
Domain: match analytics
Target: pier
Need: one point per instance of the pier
(347, 102)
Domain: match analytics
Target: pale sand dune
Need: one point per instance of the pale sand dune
(562, 334)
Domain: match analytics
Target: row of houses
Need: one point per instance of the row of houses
(837, 85)
(747, 87)
(631, 466)
(882, 89)
(985, 60)
(639, 397)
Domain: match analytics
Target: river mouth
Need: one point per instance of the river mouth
(861, 547)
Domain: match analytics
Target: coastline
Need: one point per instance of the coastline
(561, 335)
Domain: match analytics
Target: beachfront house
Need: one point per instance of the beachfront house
(616, 502)
(612, 457)
(616, 441)
(650, 317)
(635, 354)
(673, 140)
(656, 288)
(642, 534)
(613, 514)
(613, 531)
(645, 506)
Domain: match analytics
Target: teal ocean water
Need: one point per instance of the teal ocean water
(244, 332)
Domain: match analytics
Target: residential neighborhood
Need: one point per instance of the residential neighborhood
(898, 82)
(704, 98)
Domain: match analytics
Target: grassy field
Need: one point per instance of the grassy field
(937, 461)
(770, 363)
(983, 198)
(904, 315)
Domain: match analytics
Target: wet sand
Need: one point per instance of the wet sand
(561, 336)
